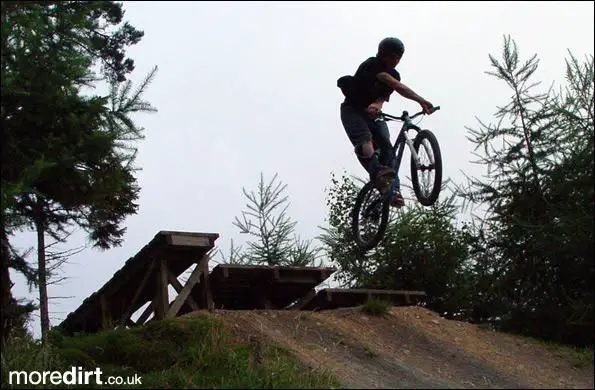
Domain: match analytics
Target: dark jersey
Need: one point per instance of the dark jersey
(364, 88)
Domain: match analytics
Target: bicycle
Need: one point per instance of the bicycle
(378, 209)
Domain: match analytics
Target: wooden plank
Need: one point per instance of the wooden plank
(375, 291)
(296, 280)
(178, 287)
(162, 295)
(179, 301)
(212, 236)
(275, 271)
(138, 292)
(185, 240)
(291, 269)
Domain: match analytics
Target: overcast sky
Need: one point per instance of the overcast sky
(250, 87)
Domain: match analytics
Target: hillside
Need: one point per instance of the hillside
(408, 347)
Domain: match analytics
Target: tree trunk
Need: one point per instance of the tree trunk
(42, 278)
(6, 286)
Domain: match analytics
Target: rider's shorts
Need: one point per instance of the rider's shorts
(361, 127)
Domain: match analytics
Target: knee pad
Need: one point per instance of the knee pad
(359, 151)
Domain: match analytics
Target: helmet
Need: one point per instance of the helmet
(391, 46)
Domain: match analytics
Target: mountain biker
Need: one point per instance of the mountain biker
(365, 93)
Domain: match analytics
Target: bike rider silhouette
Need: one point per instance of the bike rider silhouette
(365, 93)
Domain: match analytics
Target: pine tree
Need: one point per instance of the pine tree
(275, 242)
(538, 194)
(65, 160)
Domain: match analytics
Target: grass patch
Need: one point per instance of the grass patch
(194, 352)
(376, 307)
(578, 357)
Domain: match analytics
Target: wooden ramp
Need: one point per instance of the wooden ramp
(145, 278)
(144, 281)
(332, 298)
(237, 287)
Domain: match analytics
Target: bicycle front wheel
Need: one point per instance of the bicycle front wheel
(428, 182)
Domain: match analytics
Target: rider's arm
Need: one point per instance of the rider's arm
(399, 87)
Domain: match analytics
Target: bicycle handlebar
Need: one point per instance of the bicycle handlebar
(405, 115)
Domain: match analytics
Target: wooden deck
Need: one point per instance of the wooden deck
(238, 287)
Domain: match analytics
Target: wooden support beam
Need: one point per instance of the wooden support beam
(205, 286)
(161, 301)
(105, 315)
(304, 300)
(143, 317)
(179, 301)
(138, 292)
(178, 286)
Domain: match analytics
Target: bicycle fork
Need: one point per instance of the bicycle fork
(414, 154)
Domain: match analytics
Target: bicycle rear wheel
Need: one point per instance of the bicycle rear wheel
(373, 208)
(426, 143)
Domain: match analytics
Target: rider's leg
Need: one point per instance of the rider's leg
(357, 128)
(381, 135)
(364, 152)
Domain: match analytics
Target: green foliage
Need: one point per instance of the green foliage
(537, 256)
(81, 30)
(422, 250)
(337, 238)
(376, 307)
(54, 134)
(17, 314)
(181, 353)
(274, 240)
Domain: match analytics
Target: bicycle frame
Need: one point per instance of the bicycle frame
(402, 139)
(379, 208)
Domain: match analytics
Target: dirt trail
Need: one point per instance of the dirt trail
(411, 347)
